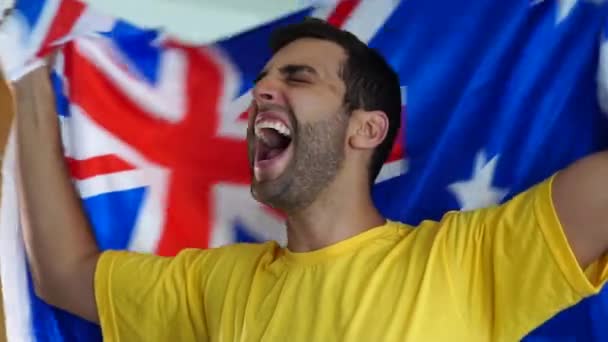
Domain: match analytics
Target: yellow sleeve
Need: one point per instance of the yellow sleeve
(512, 267)
(143, 297)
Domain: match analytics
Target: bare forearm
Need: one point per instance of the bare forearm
(581, 199)
(61, 248)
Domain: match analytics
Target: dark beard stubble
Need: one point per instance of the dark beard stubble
(317, 159)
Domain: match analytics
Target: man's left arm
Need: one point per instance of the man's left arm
(580, 197)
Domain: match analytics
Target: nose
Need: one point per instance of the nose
(267, 90)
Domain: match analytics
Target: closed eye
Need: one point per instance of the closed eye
(299, 74)
(298, 80)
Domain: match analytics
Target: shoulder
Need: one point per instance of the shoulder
(530, 205)
(529, 213)
(188, 259)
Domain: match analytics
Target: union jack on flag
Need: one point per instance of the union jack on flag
(154, 129)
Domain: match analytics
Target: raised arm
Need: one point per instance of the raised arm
(61, 249)
(580, 196)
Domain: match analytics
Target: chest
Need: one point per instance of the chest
(355, 300)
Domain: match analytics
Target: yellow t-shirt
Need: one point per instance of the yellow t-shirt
(488, 275)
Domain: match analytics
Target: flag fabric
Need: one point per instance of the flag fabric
(497, 96)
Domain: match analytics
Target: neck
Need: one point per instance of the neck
(333, 217)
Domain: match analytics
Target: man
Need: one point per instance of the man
(325, 113)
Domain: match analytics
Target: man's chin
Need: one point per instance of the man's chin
(270, 193)
(262, 192)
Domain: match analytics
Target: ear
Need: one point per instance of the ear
(367, 129)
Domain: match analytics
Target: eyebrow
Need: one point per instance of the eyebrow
(289, 70)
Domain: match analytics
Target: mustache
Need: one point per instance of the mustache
(271, 107)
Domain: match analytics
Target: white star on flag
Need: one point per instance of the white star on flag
(478, 192)
(565, 7)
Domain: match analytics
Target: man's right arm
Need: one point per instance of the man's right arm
(61, 248)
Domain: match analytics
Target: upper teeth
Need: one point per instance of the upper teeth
(276, 125)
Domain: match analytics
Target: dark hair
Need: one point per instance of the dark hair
(371, 84)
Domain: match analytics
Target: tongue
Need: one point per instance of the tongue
(274, 140)
(273, 153)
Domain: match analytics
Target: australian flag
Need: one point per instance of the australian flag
(497, 96)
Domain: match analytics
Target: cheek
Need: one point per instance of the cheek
(312, 107)
(250, 113)
(250, 124)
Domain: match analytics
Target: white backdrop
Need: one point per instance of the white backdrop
(199, 20)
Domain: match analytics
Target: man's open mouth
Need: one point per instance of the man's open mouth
(274, 137)
(272, 148)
